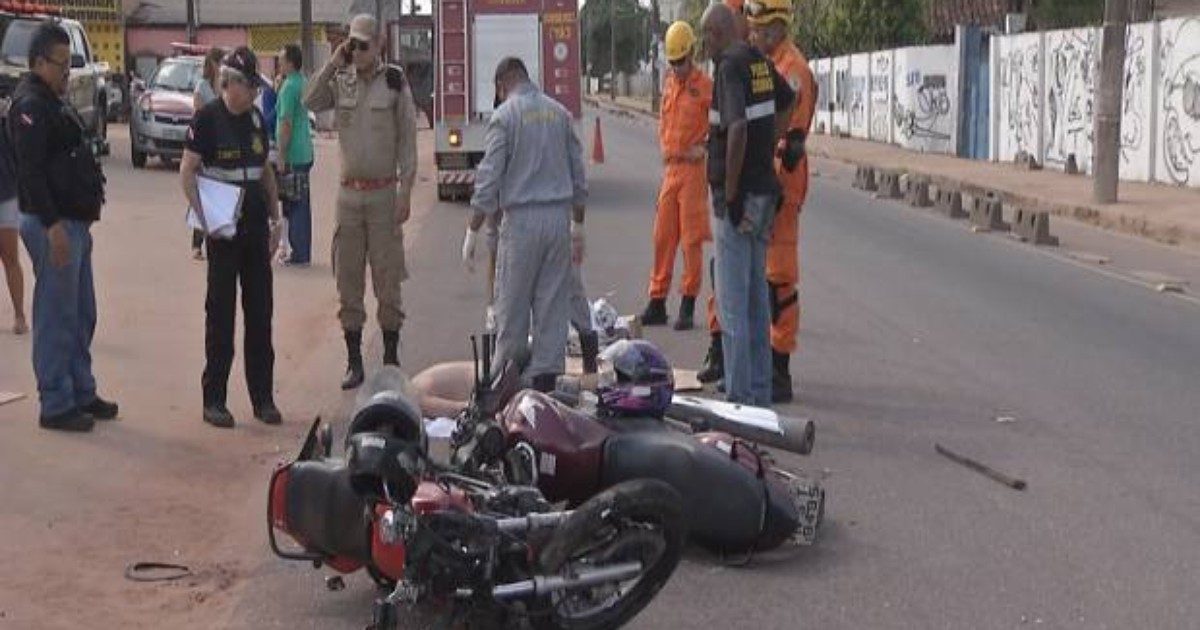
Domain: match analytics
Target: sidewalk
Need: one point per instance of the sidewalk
(1163, 213)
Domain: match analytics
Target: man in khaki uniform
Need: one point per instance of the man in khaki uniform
(377, 133)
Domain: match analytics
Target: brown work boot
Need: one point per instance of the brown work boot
(354, 361)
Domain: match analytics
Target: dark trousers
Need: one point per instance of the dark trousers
(246, 258)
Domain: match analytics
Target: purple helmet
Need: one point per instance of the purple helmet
(635, 379)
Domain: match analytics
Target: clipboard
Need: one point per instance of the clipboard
(222, 205)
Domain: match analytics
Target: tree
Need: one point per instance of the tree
(632, 27)
(1055, 14)
(826, 28)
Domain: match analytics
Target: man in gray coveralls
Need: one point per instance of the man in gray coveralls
(532, 168)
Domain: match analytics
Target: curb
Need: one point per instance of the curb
(1115, 221)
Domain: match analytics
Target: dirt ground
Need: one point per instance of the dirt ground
(159, 485)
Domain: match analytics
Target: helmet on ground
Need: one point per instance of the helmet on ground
(635, 379)
(763, 12)
(680, 41)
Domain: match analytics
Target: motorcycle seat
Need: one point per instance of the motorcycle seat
(322, 506)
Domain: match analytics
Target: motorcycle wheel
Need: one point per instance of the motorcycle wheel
(638, 520)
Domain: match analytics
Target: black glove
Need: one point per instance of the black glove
(793, 149)
(736, 210)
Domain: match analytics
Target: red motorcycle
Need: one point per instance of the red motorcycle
(735, 498)
(485, 554)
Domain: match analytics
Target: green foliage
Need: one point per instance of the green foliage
(824, 28)
(632, 27)
(1054, 14)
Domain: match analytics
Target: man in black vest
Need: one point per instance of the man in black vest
(750, 108)
(61, 190)
(228, 142)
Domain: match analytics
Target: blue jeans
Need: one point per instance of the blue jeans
(299, 216)
(743, 298)
(64, 317)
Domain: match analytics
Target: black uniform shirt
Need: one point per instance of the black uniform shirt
(42, 130)
(747, 87)
(233, 149)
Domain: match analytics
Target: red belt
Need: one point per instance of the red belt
(367, 185)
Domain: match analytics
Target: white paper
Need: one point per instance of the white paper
(221, 202)
(440, 428)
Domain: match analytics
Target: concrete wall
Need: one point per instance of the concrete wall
(1017, 96)
(1178, 103)
(1137, 105)
(881, 96)
(842, 81)
(826, 94)
(858, 96)
(925, 99)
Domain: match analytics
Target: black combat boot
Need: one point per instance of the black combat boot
(589, 347)
(354, 363)
(687, 312)
(781, 378)
(391, 347)
(655, 313)
(714, 362)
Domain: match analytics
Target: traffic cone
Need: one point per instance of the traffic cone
(597, 145)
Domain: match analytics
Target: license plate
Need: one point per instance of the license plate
(174, 134)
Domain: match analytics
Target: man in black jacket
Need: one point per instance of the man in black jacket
(61, 190)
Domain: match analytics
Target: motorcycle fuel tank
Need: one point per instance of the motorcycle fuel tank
(568, 444)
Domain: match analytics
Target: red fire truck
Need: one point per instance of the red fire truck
(472, 37)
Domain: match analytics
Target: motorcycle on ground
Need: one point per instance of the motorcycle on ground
(736, 499)
(482, 553)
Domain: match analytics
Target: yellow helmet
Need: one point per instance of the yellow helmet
(680, 41)
(763, 12)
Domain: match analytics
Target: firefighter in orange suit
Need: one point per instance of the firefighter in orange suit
(681, 220)
(769, 22)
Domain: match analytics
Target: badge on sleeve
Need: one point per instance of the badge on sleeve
(257, 145)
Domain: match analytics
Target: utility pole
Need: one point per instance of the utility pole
(654, 39)
(191, 21)
(612, 49)
(1106, 160)
(306, 35)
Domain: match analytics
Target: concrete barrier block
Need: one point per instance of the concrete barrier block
(1034, 227)
(864, 178)
(889, 185)
(917, 192)
(987, 214)
(950, 203)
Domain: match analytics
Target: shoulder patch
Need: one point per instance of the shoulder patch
(395, 78)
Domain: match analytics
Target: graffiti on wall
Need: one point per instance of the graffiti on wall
(1180, 101)
(881, 92)
(930, 111)
(856, 101)
(1134, 116)
(1071, 67)
(1019, 69)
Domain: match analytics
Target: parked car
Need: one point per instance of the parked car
(87, 89)
(161, 114)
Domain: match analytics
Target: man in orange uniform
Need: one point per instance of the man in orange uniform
(769, 22)
(682, 215)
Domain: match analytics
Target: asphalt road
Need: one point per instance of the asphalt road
(915, 332)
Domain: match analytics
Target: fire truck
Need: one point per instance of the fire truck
(472, 37)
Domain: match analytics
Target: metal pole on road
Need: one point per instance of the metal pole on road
(306, 35)
(1107, 125)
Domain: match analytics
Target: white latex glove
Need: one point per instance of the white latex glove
(468, 249)
(577, 242)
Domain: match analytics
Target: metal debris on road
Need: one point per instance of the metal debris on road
(10, 397)
(1015, 484)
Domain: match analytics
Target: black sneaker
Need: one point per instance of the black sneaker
(218, 416)
(268, 414)
(74, 421)
(101, 409)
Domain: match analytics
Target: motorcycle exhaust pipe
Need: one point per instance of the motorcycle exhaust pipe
(543, 584)
(756, 424)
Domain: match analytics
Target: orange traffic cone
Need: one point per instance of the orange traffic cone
(597, 145)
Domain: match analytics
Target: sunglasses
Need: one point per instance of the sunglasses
(358, 44)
